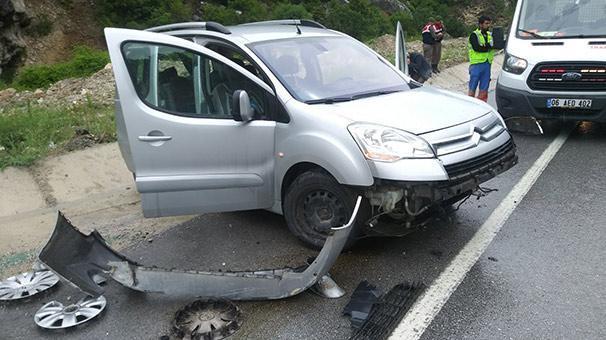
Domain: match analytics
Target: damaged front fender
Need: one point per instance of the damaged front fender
(78, 258)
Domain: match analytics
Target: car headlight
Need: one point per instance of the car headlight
(385, 144)
(514, 64)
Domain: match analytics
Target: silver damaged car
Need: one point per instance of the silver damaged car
(295, 118)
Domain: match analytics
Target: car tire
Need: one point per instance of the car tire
(315, 202)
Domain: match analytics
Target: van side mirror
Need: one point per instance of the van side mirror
(241, 109)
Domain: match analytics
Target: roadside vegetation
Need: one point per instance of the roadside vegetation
(30, 132)
(84, 62)
(361, 19)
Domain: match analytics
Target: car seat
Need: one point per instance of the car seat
(175, 93)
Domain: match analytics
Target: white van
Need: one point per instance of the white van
(555, 61)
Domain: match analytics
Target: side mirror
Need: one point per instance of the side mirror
(241, 109)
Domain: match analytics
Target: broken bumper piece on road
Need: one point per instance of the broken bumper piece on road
(78, 258)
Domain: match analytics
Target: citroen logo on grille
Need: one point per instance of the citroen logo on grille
(572, 76)
(476, 134)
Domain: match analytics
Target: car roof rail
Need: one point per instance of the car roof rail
(298, 22)
(203, 25)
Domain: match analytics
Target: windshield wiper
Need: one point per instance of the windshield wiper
(534, 34)
(373, 93)
(331, 100)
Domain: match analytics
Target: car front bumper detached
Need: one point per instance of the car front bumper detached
(79, 258)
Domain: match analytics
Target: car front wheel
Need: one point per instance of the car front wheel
(316, 202)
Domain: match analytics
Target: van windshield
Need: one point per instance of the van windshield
(558, 19)
(328, 69)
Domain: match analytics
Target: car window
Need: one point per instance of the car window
(238, 58)
(182, 82)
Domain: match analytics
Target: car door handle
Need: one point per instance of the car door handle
(154, 138)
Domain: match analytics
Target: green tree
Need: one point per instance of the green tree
(142, 13)
(290, 11)
(358, 18)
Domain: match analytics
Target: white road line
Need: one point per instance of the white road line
(433, 299)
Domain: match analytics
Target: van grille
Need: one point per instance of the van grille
(568, 76)
(465, 169)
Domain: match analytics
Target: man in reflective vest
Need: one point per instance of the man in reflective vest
(481, 55)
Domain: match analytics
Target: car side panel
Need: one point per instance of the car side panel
(324, 141)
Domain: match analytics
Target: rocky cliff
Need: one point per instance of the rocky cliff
(13, 19)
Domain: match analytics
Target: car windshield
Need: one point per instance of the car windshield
(555, 19)
(328, 69)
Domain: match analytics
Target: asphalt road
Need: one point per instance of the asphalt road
(541, 278)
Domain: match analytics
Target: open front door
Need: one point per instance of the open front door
(187, 152)
(401, 54)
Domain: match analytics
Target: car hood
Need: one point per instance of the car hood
(417, 111)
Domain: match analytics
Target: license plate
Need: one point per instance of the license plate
(569, 103)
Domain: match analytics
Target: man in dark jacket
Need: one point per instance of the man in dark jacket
(433, 33)
(437, 47)
(418, 68)
(428, 33)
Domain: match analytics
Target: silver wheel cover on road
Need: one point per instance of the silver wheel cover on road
(54, 315)
(27, 284)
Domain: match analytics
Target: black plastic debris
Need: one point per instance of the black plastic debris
(211, 319)
(387, 313)
(80, 258)
(524, 125)
(361, 302)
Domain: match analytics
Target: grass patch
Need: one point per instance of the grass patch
(84, 62)
(454, 51)
(28, 133)
(454, 54)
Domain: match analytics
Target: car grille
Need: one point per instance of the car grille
(568, 76)
(465, 169)
(465, 136)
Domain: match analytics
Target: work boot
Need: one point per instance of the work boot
(471, 93)
(435, 68)
(483, 95)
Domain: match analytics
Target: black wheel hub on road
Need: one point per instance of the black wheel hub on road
(211, 319)
(323, 210)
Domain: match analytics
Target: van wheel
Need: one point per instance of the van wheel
(316, 202)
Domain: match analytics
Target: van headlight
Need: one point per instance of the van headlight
(514, 64)
(385, 144)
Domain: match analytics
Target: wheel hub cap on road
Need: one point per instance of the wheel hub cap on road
(207, 319)
(54, 315)
(27, 284)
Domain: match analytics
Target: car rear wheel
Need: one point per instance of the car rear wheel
(316, 202)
